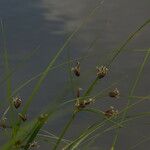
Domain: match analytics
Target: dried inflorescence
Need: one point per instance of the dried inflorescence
(101, 71)
(80, 104)
(23, 117)
(111, 112)
(34, 144)
(114, 93)
(76, 69)
(17, 102)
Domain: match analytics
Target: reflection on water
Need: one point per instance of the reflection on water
(47, 23)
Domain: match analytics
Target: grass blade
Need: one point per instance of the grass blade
(132, 90)
(116, 52)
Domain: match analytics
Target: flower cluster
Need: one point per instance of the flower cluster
(111, 112)
(114, 93)
(82, 102)
(76, 69)
(17, 102)
(101, 71)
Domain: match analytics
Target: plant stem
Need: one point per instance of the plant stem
(65, 129)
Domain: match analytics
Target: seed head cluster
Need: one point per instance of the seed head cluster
(101, 71)
(82, 102)
(76, 69)
(17, 102)
(111, 112)
(114, 93)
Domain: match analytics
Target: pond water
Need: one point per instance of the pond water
(35, 31)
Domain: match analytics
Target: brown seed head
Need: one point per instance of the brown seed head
(111, 112)
(80, 104)
(23, 117)
(102, 71)
(114, 93)
(76, 69)
(17, 102)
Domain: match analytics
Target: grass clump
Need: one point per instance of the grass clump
(26, 133)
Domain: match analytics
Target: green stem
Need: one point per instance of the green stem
(117, 52)
(131, 92)
(64, 130)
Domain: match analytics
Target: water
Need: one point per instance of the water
(45, 25)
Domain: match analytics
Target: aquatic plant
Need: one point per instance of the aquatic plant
(25, 133)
